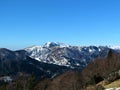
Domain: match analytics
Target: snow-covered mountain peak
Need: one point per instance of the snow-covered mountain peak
(52, 44)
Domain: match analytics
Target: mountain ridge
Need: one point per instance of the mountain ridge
(66, 55)
(51, 61)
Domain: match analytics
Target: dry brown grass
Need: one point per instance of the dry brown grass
(113, 84)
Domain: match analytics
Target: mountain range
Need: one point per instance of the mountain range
(53, 54)
(51, 60)
(66, 55)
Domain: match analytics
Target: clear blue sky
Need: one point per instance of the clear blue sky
(77, 22)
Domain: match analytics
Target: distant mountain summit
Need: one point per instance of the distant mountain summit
(53, 44)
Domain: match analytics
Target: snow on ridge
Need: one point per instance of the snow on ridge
(114, 47)
(32, 48)
(61, 54)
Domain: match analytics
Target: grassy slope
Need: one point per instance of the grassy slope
(113, 84)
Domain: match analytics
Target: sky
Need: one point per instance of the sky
(24, 23)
